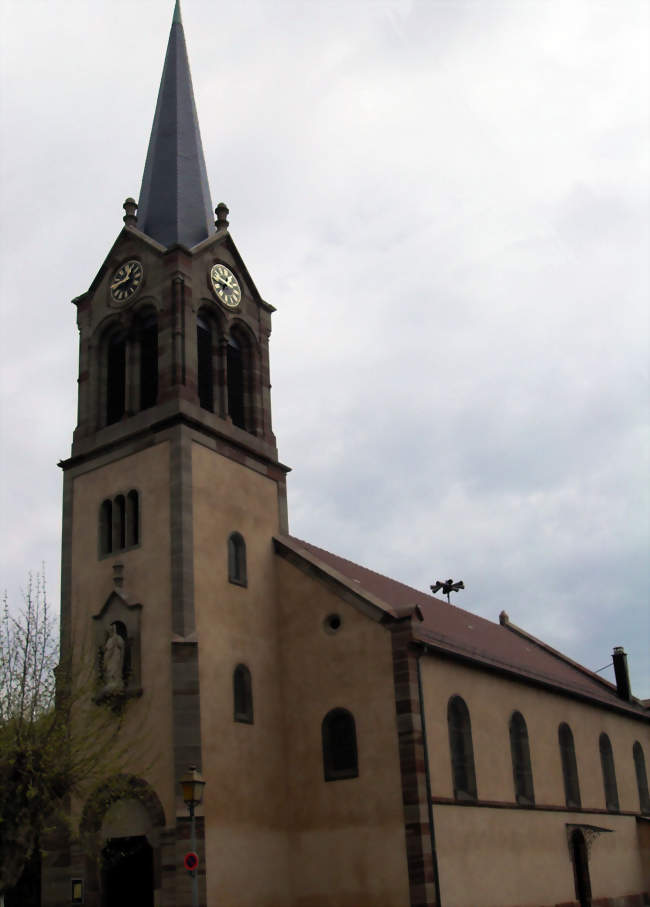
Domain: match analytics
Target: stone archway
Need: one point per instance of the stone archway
(121, 828)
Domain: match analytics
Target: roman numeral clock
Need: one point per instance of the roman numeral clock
(225, 286)
(126, 281)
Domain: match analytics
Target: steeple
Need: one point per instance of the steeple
(174, 205)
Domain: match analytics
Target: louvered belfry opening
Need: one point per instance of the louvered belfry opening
(148, 350)
(236, 383)
(205, 368)
(115, 377)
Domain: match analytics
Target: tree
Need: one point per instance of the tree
(45, 757)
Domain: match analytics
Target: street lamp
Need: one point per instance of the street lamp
(192, 785)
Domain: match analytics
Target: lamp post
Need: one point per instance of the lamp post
(192, 785)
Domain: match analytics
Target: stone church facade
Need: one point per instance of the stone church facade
(363, 744)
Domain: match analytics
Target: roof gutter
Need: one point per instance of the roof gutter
(621, 707)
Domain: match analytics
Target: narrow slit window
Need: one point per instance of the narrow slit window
(609, 773)
(237, 559)
(462, 750)
(119, 523)
(521, 767)
(243, 694)
(106, 527)
(339, 737)
(569, 767)
(132, 519)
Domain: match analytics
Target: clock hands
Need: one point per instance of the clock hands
(225, 285)
(227, 282)
(126, 280)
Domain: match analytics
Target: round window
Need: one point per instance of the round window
(332, 623)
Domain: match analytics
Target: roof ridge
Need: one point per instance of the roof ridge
(505, 621)
(398, 582)
(491, 647)
(368, 569)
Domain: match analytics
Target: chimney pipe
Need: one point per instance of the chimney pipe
(622, 675)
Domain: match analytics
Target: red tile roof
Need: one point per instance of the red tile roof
(461, 634)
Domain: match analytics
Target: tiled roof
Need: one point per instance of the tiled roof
(461, 634)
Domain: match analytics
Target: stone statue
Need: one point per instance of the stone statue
(113, 661)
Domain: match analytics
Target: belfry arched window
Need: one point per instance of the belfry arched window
(241, 381)
(641, 778)
(128, 377)
(521, 768)
(236, 383)
(569, 766)
(115, 377)
(242, 694)
(462, 750)
(339, 737)
(205, 367)
(609, 773)
(148, 356)
(237, 559)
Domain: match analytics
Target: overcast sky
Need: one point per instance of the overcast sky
(447, 202)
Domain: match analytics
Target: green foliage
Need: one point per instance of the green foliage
(53, 740)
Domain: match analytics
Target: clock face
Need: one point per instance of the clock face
(126, 281)
(224, 283)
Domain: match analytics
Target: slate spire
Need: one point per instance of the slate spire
(174, 205)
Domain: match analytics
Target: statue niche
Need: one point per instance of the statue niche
(117, 641)
(114, 659)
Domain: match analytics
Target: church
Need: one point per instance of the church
(352, 741)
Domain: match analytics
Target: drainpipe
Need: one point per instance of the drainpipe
(434, 855)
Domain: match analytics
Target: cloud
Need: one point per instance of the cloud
(447, 203)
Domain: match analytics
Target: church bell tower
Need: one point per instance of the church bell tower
(172, 494)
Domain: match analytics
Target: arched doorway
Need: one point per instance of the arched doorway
(121, 826)
(127, 872)
(581, 868)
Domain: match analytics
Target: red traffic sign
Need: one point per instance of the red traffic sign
(191, 861)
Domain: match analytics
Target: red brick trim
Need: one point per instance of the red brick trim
(412, 756)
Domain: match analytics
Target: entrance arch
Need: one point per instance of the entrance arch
(122, 824)
(127, 878)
